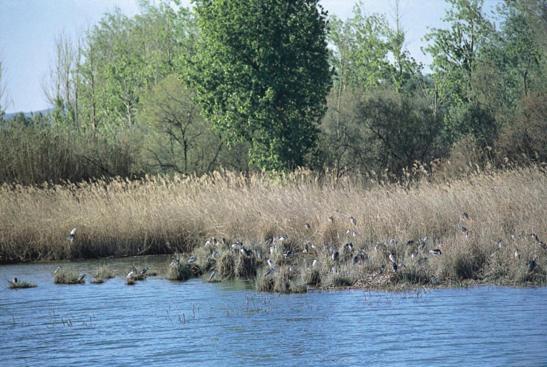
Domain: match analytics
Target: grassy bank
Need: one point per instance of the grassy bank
(422, 226)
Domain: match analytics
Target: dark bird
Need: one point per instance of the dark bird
(360, 258)
(307, 226)
(436, 252)
(348, 248)
(245, 251)
(538, 241)
(331, 219)
(353, 221)
(532, 264)
(393, 261)
(335, 255)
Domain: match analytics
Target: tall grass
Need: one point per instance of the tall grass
(167, 215)
(36, 154)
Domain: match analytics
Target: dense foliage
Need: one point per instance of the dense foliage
(271, 84)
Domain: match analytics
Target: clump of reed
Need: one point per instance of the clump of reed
(180, 269)
(20, 284)
(62, 276)
(280, 280)
(102, 274)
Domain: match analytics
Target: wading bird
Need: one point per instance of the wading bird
(393, 261)
(14, 281)
(72, 235)
(538, 241)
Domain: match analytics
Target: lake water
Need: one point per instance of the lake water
(161, 323)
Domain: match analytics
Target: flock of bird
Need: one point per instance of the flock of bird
(280, 249)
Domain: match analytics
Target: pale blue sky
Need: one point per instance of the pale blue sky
(28, 29)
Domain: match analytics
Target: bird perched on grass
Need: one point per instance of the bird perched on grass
(130, 277)
(538, 241)
(436, 252)
(393, 261)
(72, 235)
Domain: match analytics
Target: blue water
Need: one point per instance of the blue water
(163, 323)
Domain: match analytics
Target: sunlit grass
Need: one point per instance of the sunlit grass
(167, 215)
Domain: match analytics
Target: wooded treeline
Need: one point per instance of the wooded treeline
(276, 85)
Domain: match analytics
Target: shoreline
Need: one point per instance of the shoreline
(486, 227)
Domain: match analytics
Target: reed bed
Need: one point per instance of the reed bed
(159, 215)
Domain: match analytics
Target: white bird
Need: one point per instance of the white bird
(72, 235)
(270, 263)
(130, 275)
(314, 263)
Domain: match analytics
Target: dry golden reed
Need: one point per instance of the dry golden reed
(176, 214)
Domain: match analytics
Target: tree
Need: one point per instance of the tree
(455, 54)
(3, 94)
(62, 90)
(181, 140)
(261, 75)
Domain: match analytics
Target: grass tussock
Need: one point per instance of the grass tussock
(62, 276)
(179, 269)
(20, 284)
(357, 232)
(103, 273)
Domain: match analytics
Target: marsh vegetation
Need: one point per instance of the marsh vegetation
(292, 230)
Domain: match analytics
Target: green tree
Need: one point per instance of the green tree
(261, 75)
(455, 54)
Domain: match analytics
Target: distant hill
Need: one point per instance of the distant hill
(11, 115)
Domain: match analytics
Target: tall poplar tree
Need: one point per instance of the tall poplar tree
(261, 75)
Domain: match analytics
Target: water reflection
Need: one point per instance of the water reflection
(163, 323)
